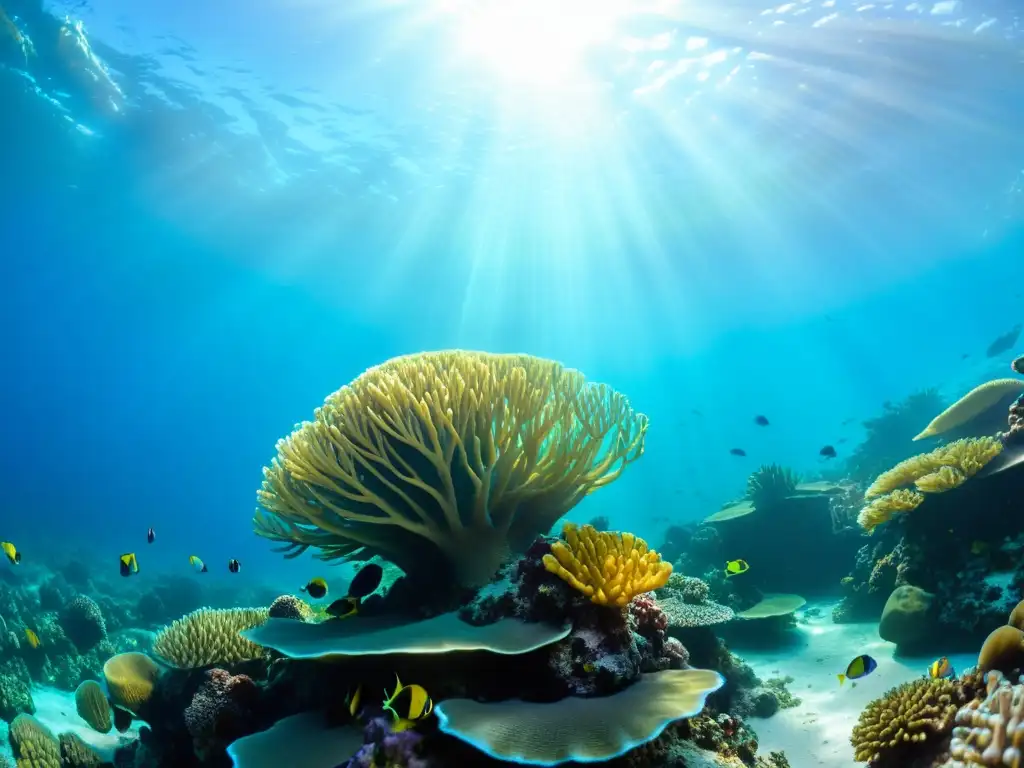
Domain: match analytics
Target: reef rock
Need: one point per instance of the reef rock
(906, 616)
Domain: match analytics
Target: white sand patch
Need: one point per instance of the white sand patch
(817, 733)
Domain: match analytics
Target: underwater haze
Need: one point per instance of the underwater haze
(648, 373)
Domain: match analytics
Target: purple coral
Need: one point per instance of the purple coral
(382, 746)
(646, 617)
(221, 711)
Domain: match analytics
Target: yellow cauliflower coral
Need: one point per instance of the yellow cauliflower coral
(608, 567)
(906, 715)
(880, 510)
(967, 457)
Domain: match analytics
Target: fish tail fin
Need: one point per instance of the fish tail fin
(842, 678)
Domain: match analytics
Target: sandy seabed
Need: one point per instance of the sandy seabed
(817, 732)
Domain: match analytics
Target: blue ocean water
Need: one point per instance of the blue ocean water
(214, 214)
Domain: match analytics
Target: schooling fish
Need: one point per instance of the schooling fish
(129, 565)
(761, 421)
(736, 567)
(828, 452)
(234, 566)
(316, 588)
(150, 536)
(198, 564)
(409, 704)
(31, 637)
(862, 666)
(737, 452)
(941, 668)
(11, 552)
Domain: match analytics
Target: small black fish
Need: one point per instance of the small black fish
(761, 421)
(828, 452)
(737, 452)
(122, 720)
(964, 356)
(1018, 365)
(150, 536)
(316, 588)
(234, 566)
(1005, 342)
(367, 580)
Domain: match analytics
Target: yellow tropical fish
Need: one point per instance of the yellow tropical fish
(941, 668)
(129, 565)
(316, 588)
(409, 704)
(198, 564)
(32, 638)
(354, 700)
(736, 567)
(11, 551)
(862, 666)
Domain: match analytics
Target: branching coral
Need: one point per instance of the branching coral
(210, 636)
(967, 456)
(458, 456)
(770, 485)
(990, 731)
(609, 568)
(880, 510)
(911, 713)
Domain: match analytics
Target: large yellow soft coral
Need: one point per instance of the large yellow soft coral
(445, 462)
(880, 510)
(967, 457)
(609, 568)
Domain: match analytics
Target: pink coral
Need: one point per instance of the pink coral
(646, 617)
(220, 711)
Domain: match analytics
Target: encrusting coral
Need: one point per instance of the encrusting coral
(904, 717)
(450, 458)
(208, 637)
(609, 568)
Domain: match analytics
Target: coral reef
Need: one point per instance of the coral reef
(220, 711)
(442, 462)
(209, 636)
(889, 436)
(609, 568)
(990, 731)
(770, 485)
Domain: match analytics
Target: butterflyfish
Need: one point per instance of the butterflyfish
(862, 666)
(198, 564)
(343, 607)
(316, 588)
(367, 580)
(941, 668)
(736, 567)
(234, 566)
(11, 552)
(129, 565)
(32, 638)
(409, 704)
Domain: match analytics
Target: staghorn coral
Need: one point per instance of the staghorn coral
(130, 678)
(968, 456)
(91, 705)
(609, 568)
(450, 458)
(34, 745)
(881, 509)
(770, 485)
(978, 400)
(904, 717)
(210, 636)
(990, 731)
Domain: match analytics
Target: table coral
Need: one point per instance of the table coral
(609, 568)
(443, 462)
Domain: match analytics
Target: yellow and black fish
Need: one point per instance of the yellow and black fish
(11, 552)
(343, 607)
(862, 666)
(409, 704)
(234, 566)
(32, 638)
(354, 700)
(316, 588)
(736, 567)
(129, 565)
(941, 668)
(198, 564)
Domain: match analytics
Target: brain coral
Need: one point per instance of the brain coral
(446, 459)
(82, 622)
(904, 717)
(209, 637)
